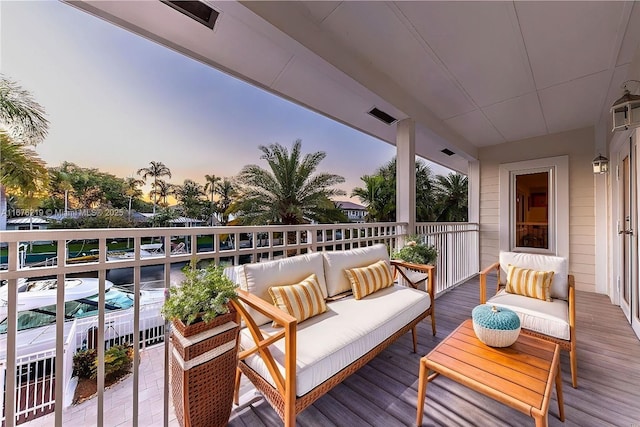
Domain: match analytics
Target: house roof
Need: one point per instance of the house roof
(351, 206)
(35, 220)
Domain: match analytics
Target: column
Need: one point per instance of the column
(406, 174)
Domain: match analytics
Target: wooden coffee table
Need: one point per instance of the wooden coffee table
(520, 376)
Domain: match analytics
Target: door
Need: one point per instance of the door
(627, 231)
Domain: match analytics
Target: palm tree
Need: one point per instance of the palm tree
(210, 187)
(22, 122)
(132, 191)
(377, 196)
(190, 194)
(155, 170)
(21, 117)
(227, 193)
(161, 190)
(289, 192)
(452, 197)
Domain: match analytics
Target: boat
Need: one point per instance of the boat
(37, 313)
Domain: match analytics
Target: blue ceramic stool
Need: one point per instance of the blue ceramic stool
(495, 326)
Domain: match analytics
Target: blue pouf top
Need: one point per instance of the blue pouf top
(492, 317)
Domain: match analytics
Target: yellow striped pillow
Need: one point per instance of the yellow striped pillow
(529, 283)
(369, 279)
(301, 300)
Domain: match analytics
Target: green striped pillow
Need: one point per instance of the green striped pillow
(529, 283)
(369, 279)
(301, 300)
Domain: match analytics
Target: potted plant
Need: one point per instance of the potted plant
(205, 346)
(416, 251)
(203, 295)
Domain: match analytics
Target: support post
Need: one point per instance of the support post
(406, 174)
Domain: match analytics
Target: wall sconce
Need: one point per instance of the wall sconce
(626, 110)
(600, 164)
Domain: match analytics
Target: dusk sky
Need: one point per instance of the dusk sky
(116, 101)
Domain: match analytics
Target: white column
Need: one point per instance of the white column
(406, 174)
(473, 191)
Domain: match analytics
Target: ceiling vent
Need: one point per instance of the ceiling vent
(448, 152)
(195, 10)
(382, 116)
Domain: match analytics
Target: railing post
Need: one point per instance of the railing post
(3, 371)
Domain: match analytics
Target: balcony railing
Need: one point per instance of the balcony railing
(222, 245)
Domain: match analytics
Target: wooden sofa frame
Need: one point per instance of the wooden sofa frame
(568, 345)
(283, 396)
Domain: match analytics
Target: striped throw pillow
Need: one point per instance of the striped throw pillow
(369, 279)
(301, 300)
(529, 283)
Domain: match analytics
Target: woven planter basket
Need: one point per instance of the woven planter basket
(203, 367)
(495, 326)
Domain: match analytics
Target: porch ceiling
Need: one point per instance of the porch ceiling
(470, 74)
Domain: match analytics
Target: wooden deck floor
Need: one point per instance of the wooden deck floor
(384, 392)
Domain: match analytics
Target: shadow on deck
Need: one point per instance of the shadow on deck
(384, 392)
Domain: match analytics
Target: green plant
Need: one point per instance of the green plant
(83, 361)
(117, 360)
(203, 294)
(416, 252)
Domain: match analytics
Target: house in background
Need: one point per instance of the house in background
(353, 211)
(27, 223)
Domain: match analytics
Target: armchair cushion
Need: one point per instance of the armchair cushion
(529, 283)
(301, 300)
(560, 283)
(369, 279)
(548, 318)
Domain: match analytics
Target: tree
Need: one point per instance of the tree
(132, 191)
(227, 194)
(161, 190)
(22, 122)
(210, 187)
(289, 192)
(451, 194)
(378, 196)
(21, 117)
(189, 195)
(22, 173)
(155, 170)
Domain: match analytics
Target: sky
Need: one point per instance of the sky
(116, 101)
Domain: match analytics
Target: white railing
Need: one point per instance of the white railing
(34, 392)
(67, 371)
(222, 245)
(457, 245)
(458, 251)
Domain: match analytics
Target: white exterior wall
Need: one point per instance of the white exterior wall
(579, 146)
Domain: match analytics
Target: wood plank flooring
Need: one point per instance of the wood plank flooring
(384, 392)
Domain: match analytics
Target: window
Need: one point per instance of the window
(534, 206)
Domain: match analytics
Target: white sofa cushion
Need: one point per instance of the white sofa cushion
(350, 328)
(257, 278)
(559, 265)
(549, 318)
(335, 262)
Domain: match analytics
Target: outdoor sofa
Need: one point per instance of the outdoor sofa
(294, 363)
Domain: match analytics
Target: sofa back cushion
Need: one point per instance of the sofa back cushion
(259, 277)
(336, 262)
(559, 285)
